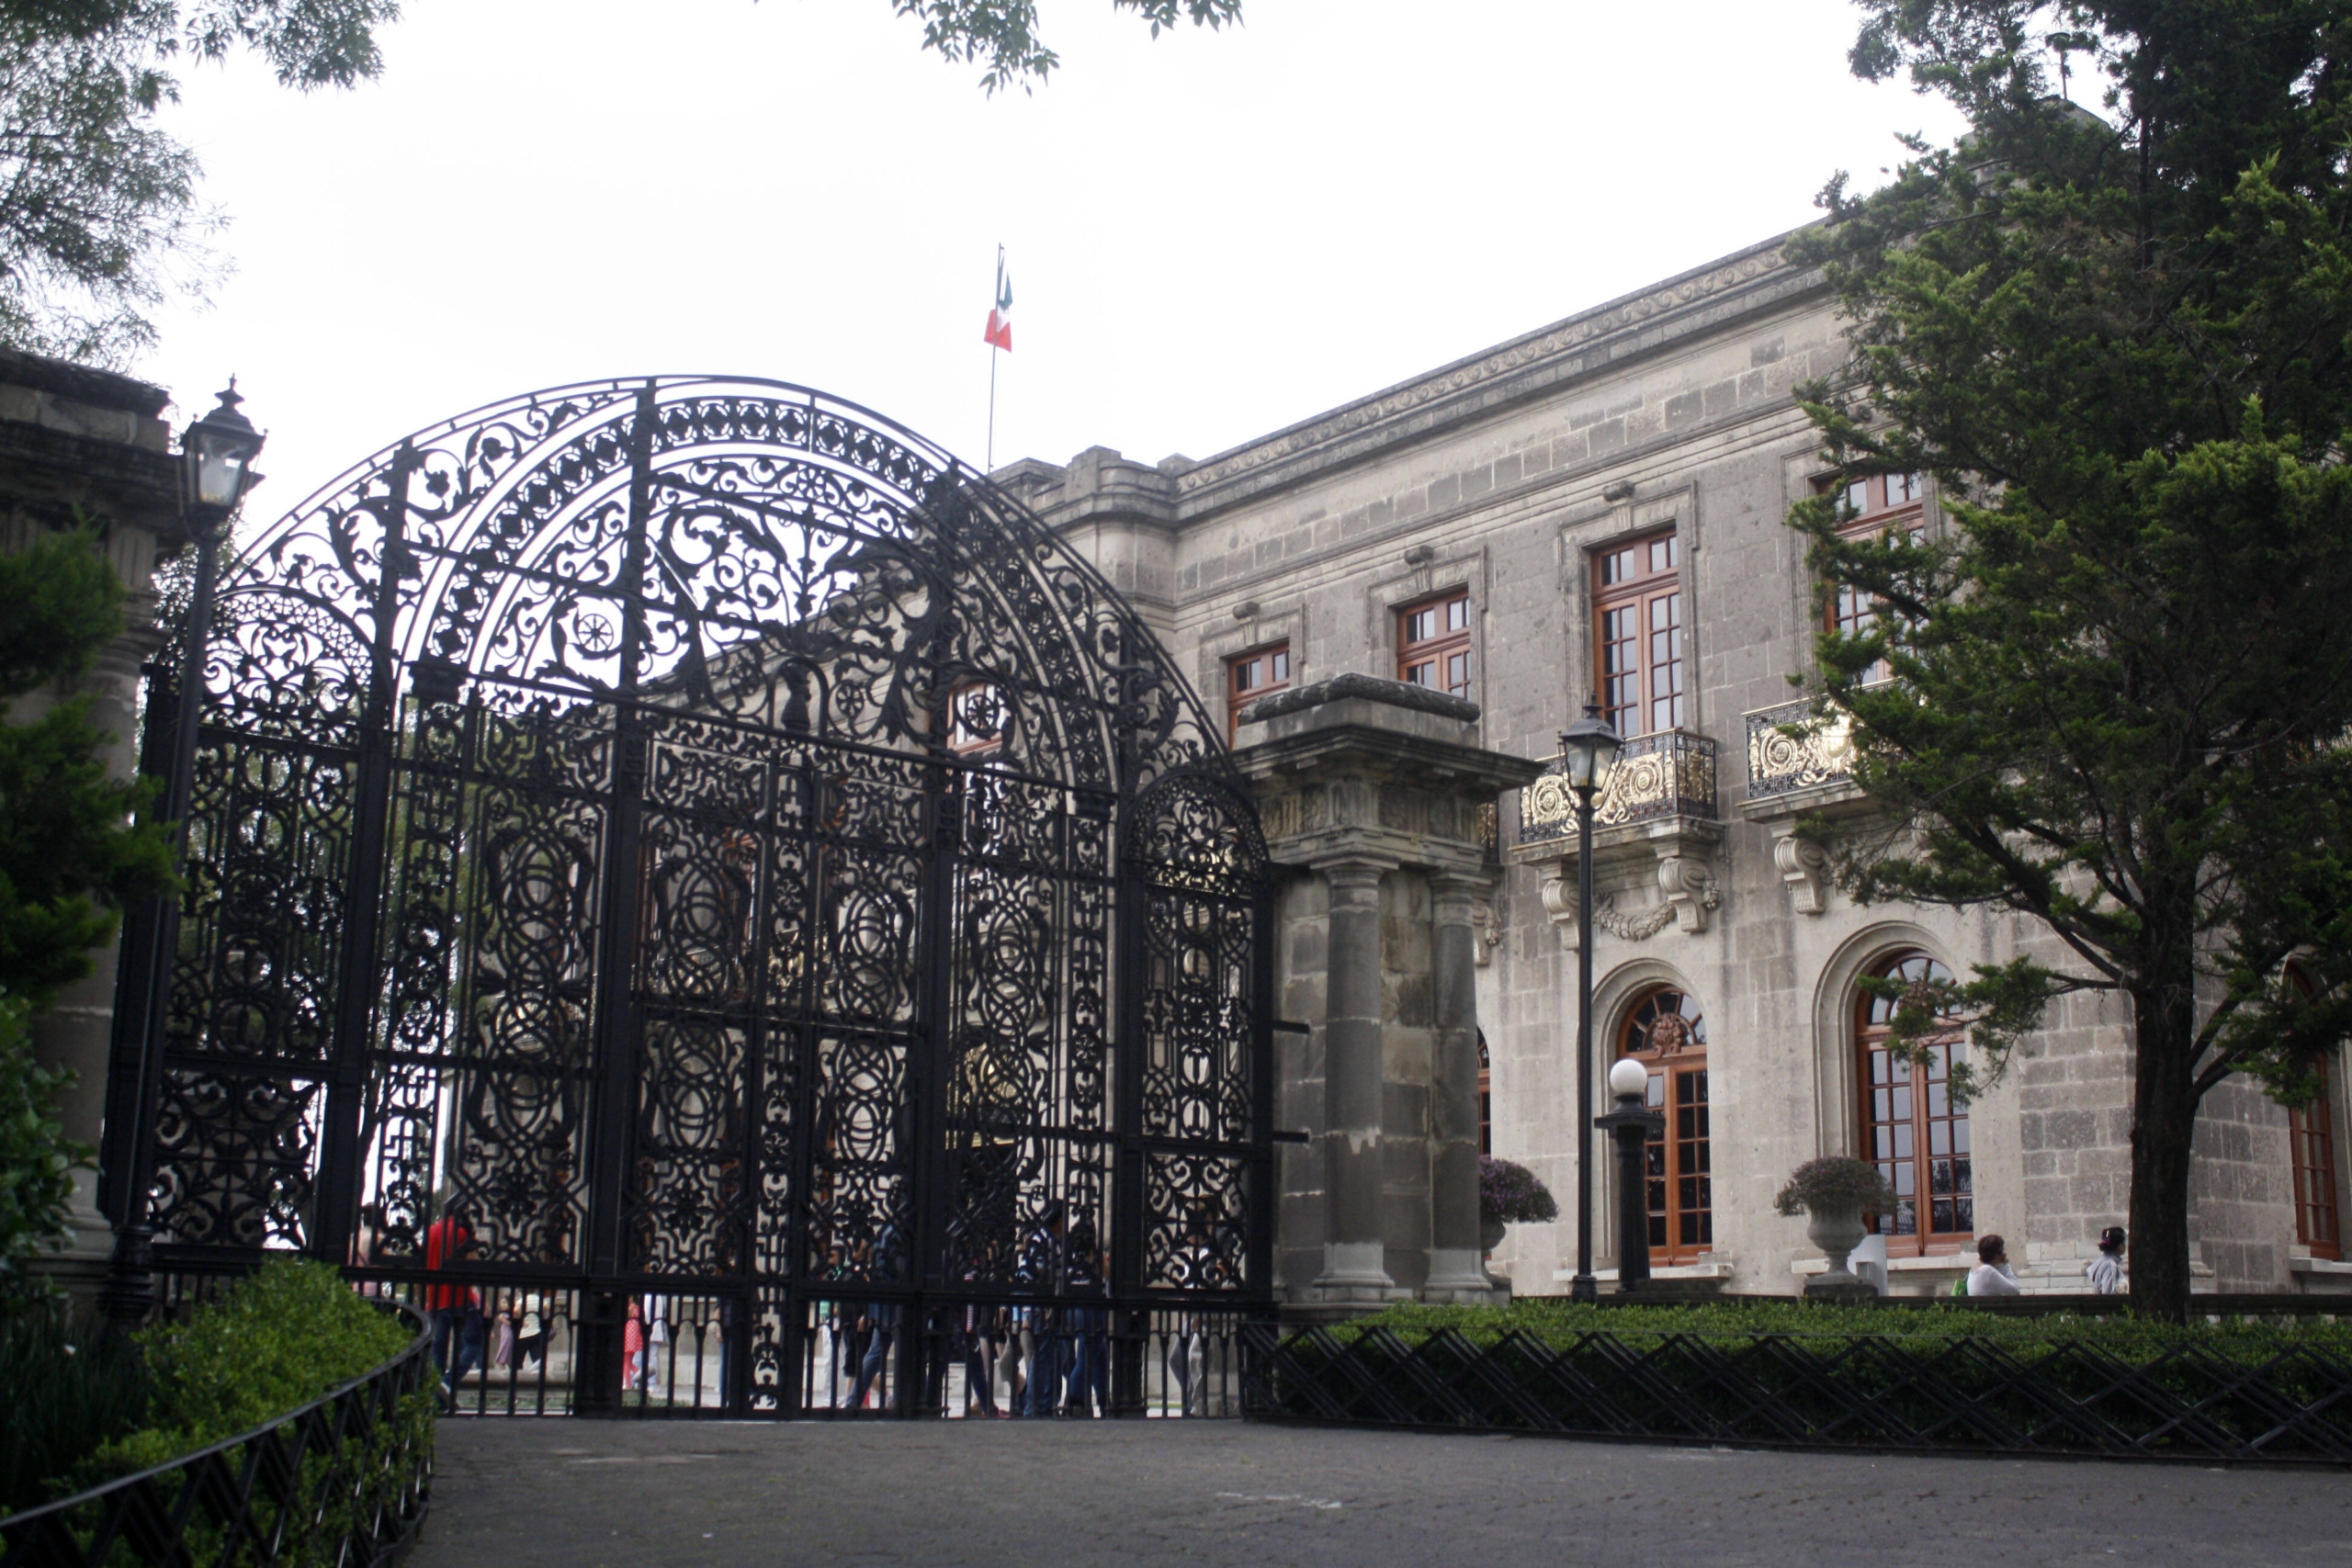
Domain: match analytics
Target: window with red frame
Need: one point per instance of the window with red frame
(2311, 1141)
(1249, 676)
(1912, 1130)
(1638, 636)
(1667, 1035)
(1873, 505)
(976, 718)
(1433, 643)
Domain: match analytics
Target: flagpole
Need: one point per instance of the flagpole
(993, 352)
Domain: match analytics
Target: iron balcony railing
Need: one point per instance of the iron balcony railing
(1668, 775)
(1792, 746)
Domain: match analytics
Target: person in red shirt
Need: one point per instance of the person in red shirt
(453, 1311)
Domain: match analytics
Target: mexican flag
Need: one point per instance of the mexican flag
(1000, 332)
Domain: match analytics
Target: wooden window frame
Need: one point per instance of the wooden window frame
(2311, 1154)
(963, 743)
(1870, 1036)
(1680, 1164)
(1445, 652)
(1874, 504)
(1630, 577)
(1277, 656)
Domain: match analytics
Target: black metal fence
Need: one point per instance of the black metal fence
(1874, 1391)
(344, 1480)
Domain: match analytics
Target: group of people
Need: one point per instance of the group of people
(1992, 1276)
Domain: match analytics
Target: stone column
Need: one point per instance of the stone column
(1457, 1263)
(1354, 1246)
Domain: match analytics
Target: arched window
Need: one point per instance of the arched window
(1911, 1129)
(1666, 1033)
(1485, 1099)
(2311, 1140)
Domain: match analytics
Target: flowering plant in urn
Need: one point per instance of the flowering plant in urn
(1835, 1183)
(1835, 1192)
(1510, 1194)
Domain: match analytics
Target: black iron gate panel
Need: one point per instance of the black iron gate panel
(690, 842)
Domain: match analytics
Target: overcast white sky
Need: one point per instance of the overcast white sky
(1211, 235)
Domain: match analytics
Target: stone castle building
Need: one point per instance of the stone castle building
(1598, 507)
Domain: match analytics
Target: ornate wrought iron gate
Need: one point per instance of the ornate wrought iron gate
(719, 850)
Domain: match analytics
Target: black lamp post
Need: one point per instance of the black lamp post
(1633, 1124)
(1587, 749)
(216, 470)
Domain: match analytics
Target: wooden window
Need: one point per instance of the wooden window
(1637, 619)
(1249, 676)
(1666, 1033)
(1873, 505)
(1433, 643)
(2310, 1141)
(1485, 1099)
(1911, 1129)
(976, 720)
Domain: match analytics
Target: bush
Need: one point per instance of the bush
(72, 1386)
(1837, 1183)
(1557, 1320)
(1510, 1194)
(274, 1341)
(37, 1161)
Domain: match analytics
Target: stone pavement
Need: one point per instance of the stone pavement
(1026, 1494)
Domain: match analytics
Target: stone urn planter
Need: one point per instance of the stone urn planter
(1509, 1194)
(1838, 1230)
(1834, 1194)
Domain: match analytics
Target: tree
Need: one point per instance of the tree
(68, 863)
(99, 216)
(2124, 671)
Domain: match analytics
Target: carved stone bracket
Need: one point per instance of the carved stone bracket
(1689, 887)
(1689, 893)
(1804, 868)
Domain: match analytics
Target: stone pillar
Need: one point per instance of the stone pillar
(1457, 1263)
(86, 447)
(1354, 1267)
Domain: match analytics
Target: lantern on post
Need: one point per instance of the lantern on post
(1589, 749)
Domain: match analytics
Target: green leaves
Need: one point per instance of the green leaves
(69, 857)
(1004, 33)
(37, 1160)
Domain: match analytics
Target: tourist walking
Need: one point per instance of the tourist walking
(632, 1345)
(2106, 1270)
(452, 1312)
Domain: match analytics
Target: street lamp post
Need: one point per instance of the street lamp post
(216, 470)
(1633, 1124)
(1587, 749)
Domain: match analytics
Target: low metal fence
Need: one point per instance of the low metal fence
(1884, 1392)
(344, 1480)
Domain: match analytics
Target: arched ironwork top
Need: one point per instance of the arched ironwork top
(729, 545)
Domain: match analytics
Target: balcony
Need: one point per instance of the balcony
(1672, 774)
(1655, 831)
(1820, 750)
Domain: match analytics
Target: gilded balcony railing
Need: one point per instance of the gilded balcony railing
(1791, 747)
(1672, 774)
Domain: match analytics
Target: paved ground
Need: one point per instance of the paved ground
(576, 1494)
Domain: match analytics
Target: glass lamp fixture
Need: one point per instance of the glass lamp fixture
(216, 463)
(1588, 748)
(1628, 1079)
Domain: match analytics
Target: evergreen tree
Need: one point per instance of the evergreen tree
(2124, 667)
(70, 860)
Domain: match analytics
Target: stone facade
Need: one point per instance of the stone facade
(1501, 479)
(84, 446)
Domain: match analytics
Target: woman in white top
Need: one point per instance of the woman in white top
(1991, 1277)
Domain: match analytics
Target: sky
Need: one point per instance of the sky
(1210, 236)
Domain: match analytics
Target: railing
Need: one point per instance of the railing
(1964, 1394)
(342, 1480)
(1792, 747)
(1670, 774)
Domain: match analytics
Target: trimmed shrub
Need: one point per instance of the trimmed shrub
(1509, 1194)
(72, 1386)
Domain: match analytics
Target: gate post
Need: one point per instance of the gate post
(596, 1363)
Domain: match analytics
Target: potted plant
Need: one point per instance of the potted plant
(1510, 1194)
(1835, 1193)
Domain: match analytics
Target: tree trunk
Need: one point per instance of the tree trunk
(2164, 1124)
